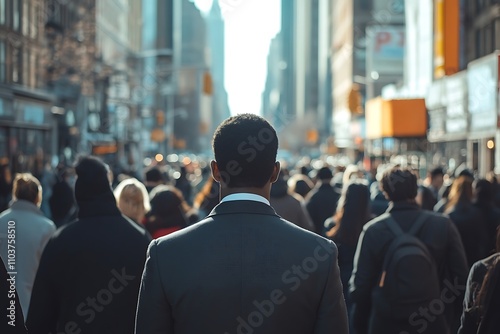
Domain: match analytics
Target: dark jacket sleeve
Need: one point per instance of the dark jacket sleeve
(361, 283)
(42, 312)
(332, 315)
(458, 271)
(154, 314)
(469, 319)
(12, 321)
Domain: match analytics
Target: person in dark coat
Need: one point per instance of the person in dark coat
(321, 202)
(12, 319)
(243, 269)
(62, 202)
(89, 274)
(482, 297)
(441, 238)
(484, 201)
(353, 212)
(289, 205)
(467, 218)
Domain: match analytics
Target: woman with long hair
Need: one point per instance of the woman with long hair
(482, 297)
(467, 218)
(353, 212)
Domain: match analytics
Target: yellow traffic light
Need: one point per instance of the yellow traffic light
(354, 100)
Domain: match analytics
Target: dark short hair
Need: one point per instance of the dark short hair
(399, 184)
(154, 174)
(437, 171)
(245, 148)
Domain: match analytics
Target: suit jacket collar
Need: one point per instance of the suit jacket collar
(245, 207)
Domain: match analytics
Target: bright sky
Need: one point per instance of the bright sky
(250, 26)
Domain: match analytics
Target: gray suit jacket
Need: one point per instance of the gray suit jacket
(241, 270)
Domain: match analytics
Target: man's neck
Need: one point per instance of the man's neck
(264, 192)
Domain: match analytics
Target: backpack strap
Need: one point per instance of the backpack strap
(393, 226)
(419, 222)
(415, 227)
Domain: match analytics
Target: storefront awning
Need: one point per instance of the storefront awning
(396, 118)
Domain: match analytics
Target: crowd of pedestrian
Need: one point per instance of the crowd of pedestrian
(227, 243)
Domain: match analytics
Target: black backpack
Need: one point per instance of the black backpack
(409, 278)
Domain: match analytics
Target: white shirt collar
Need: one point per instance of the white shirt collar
(245, 197)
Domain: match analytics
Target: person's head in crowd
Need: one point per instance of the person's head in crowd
(483, 192)
(300, 184)
(169, 211)
(92, 186)
(462, 170)
(27, 187)
(154, 177)
(245, 148)
(280, 187)
(351, 173)
(353, 212)
(437, 178)
(324, 175)
(399, 184)
(132, 199)
(460, 193)
(491, 176)
(425, 198)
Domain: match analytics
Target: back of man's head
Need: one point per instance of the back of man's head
(245, 148)
(92, 181)
(154, 175)
(27, 187)
(435, 172)
(399, 184)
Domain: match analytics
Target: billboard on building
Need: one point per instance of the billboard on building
(385, 51)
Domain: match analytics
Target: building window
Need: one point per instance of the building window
(3, 10)
(26, 18)
(16, 14)
(17, 58)
(3, 64)
(26, 67)
(34, 20)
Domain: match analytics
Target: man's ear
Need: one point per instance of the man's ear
(276, 172)
(215, 171)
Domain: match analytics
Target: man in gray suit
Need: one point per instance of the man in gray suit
(243, 269)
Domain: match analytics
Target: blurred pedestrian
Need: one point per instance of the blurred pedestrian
(154, 177)
(482, 297)
(353, 212)
(32, 231)
(386, 293)
(467, 218)
(62, 202)
(435, 181)
(300, 184)
(207, 198)
(132, 199)
(321, 202)
(484, 201)
(232, 272)
(89, 274)
(184, 185)
(169, 212)
(288, 205)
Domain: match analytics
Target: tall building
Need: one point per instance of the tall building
(28, 126)
(296, 97)
(365, 34)
(216, 45)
